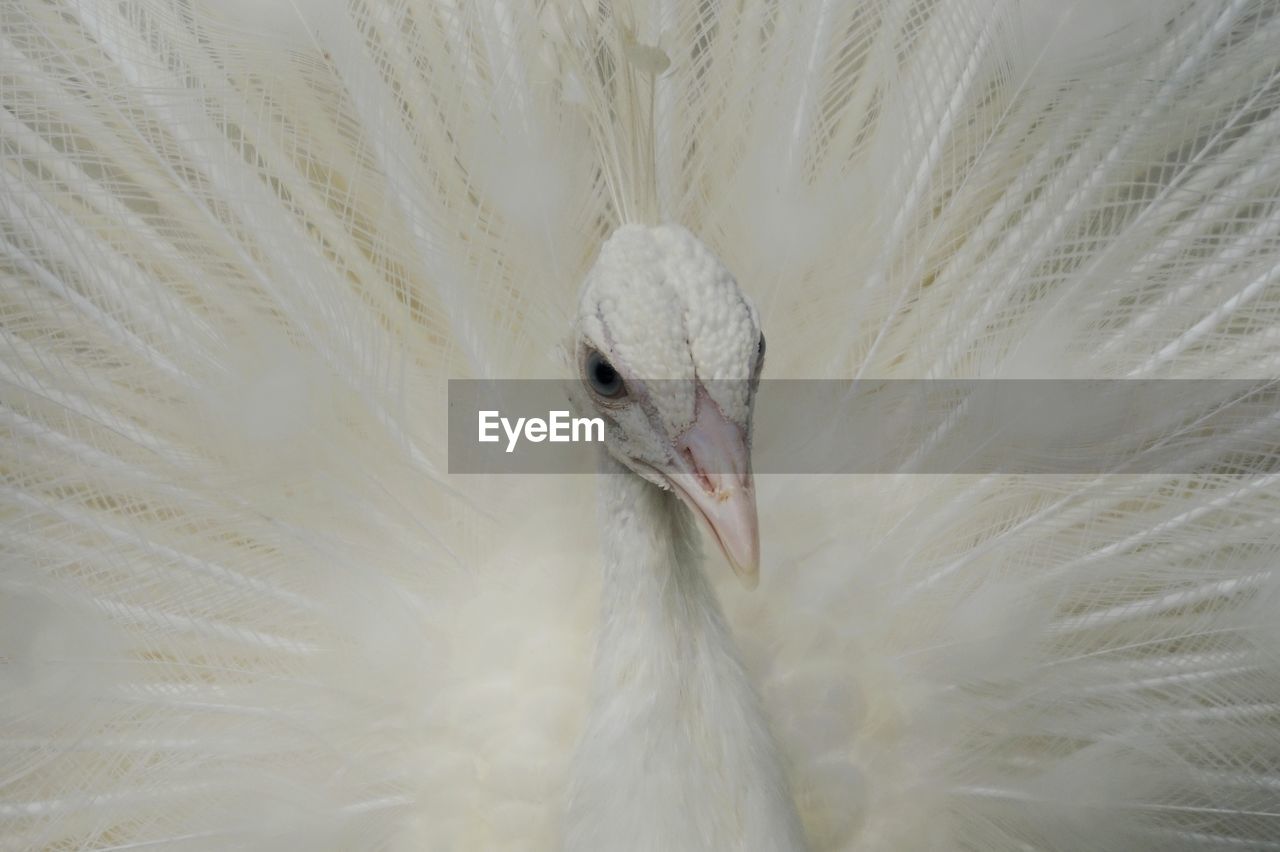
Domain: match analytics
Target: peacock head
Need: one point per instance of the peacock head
(670, 352)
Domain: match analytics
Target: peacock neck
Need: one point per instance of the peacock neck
(654, 595)
(676, 752)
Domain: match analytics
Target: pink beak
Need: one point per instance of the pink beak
(713, 476)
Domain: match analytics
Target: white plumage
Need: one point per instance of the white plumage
(243, 246)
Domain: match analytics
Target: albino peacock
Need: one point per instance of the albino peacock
(244, 604)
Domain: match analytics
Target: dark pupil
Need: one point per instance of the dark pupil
(605, 374)
(604, 377)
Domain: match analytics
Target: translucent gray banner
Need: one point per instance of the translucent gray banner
(1230, 427)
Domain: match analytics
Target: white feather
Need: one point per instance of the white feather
(242, 603)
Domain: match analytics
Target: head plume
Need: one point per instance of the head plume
(612, 61)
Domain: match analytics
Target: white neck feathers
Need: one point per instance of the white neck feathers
(676, 753)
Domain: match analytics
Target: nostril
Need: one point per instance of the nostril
(698, 473)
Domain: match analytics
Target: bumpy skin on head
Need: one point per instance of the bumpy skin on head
(660, 306)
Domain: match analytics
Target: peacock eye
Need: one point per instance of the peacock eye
(603, 378)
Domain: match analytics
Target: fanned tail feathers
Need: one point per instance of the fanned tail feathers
(244, 605)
